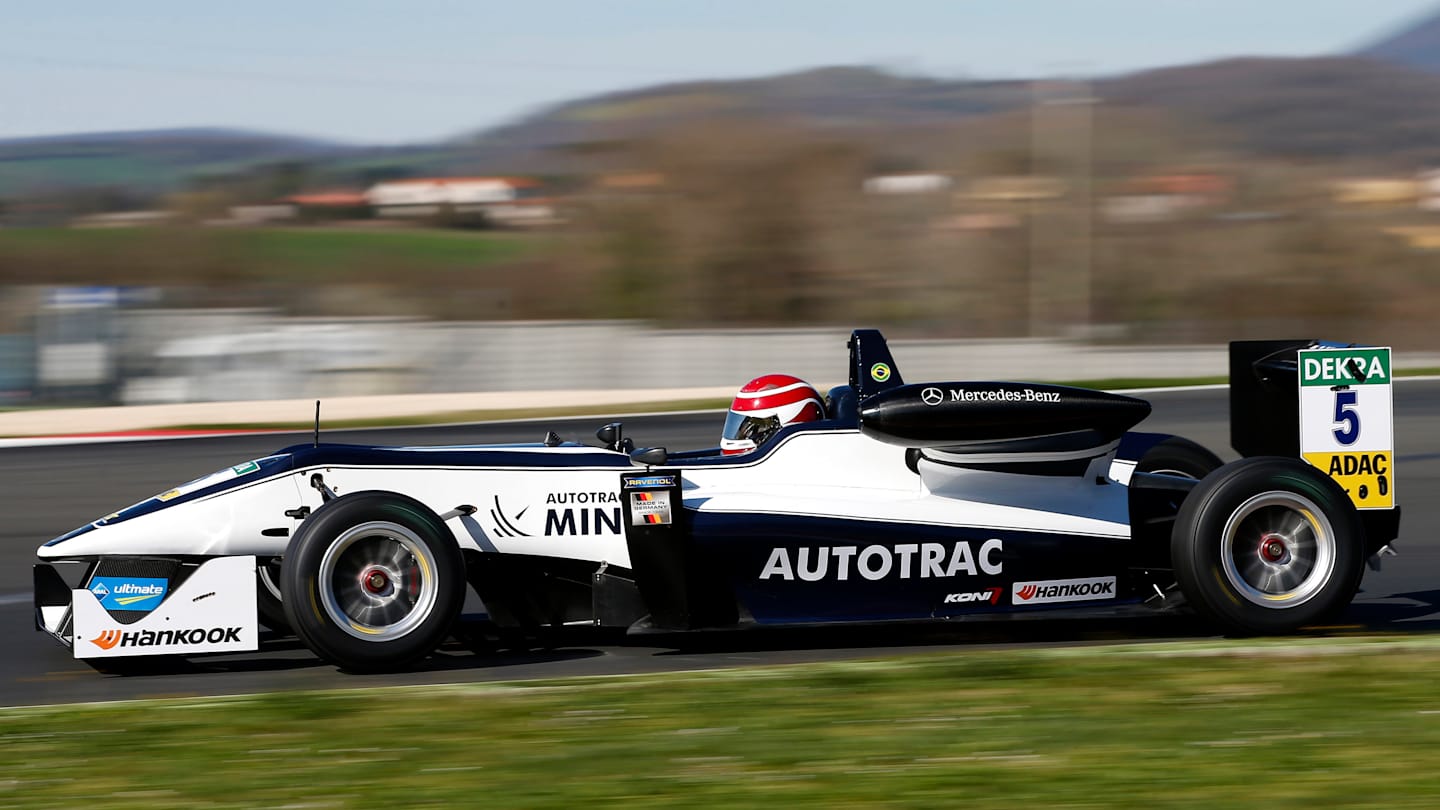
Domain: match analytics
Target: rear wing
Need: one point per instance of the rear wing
(1267, 408)
(1264, 397)
(1328, 404)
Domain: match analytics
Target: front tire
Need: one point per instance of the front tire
(372, 581)
(268, 602)
(1268, 545)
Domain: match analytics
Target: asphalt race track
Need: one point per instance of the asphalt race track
(49, 490)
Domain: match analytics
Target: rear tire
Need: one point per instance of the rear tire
(372, 581)
(1268, 545)
(1179, 456)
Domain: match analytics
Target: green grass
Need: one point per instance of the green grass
(1333, 723)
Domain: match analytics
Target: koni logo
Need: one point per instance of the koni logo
(991, 595)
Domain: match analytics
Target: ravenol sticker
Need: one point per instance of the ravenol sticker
(129, 593)
(650, 482)
(880, 372)
(246, 468)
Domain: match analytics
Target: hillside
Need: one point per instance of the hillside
(848, 98)
(1340, 107)
(1416, 46)
(1324, 108)
(1333, 108)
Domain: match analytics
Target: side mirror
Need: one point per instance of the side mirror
(650, 456)
(611, 435)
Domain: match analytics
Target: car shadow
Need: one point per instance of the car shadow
(281, 653)
(1415, 613)
(995, 633)
(478, 646)
(1411, 612)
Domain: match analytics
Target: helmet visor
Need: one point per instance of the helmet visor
(744, 426)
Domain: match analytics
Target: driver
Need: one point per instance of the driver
(763, 406)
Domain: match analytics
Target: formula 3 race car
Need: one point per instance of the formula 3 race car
(929, 501)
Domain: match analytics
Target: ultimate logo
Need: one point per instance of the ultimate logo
(129, 593)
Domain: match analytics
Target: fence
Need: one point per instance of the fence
(164, 356)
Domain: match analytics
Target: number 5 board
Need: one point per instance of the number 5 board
(1346, 420)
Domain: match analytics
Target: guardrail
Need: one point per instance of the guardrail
(172, 356)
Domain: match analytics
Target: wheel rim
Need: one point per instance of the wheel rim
(377, 581)
(1279, 550)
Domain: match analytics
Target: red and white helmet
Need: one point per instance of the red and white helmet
(763, 406)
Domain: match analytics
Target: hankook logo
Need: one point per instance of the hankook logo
(1064, 590)
(108, 639)
(932, 396)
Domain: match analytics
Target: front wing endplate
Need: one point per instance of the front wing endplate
(211, 611)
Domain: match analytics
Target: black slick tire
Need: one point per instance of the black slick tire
(1268, 545)
(372, 581)
(1179, 456)
(267, 596)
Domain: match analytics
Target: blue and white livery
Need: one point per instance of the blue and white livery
(907, 502)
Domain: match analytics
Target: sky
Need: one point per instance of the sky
(371, 72)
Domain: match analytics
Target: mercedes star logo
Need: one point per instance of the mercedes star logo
(932, 396)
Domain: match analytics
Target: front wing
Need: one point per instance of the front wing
(211, 610)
